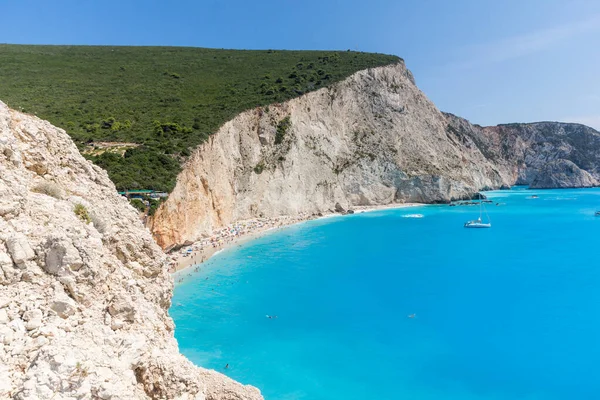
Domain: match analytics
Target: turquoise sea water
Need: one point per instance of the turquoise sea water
(511, 312)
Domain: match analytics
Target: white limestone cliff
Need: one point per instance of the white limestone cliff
(84, 292)
(371, 139)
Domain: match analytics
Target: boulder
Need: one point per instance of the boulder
(19, 249)
(64, 307)
(61, 256)
(122, 307)
(32, 314)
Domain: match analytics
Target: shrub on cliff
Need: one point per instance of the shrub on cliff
(82, 212)
(259, 168)
(49, 189)
(282, 128)
(154, 204)
(138, 205)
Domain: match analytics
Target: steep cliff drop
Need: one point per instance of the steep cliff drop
(371, 139)
(83, 290)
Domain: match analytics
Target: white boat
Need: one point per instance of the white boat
(478, 223)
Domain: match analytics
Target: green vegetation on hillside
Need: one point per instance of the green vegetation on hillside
(167, 99)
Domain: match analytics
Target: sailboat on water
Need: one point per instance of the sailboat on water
(478, 223)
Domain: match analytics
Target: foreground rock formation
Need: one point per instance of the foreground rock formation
(83, 290)
(372, 139)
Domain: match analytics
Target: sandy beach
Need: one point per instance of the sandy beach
(200, 251)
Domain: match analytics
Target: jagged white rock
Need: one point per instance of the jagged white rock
(83, 306)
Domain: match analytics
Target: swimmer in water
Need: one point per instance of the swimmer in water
(226, 366)
(412, 315)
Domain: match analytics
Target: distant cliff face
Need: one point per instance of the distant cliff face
(371, 139)
(541, 155)
(83, 290)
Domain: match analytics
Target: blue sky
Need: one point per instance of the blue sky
(491, 61)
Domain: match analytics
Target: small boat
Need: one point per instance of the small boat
(478, 223)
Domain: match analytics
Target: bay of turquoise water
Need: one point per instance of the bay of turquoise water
(511, 312)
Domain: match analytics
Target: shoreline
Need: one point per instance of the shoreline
(199, 252)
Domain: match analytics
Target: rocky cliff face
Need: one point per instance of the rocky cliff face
(562, 173)
(371, 139)
(542, 154)
(83, 291)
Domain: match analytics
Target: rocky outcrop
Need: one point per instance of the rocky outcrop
(562, 174)
(83, 290)
(372, 139)
(542, 154)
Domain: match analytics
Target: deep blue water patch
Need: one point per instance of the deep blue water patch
(511, 312)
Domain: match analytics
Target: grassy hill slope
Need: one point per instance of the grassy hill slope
(165, 99)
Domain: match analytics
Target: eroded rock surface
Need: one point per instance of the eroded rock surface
(562, 174)
(542, 154)
(83, 296)
(371, 139)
